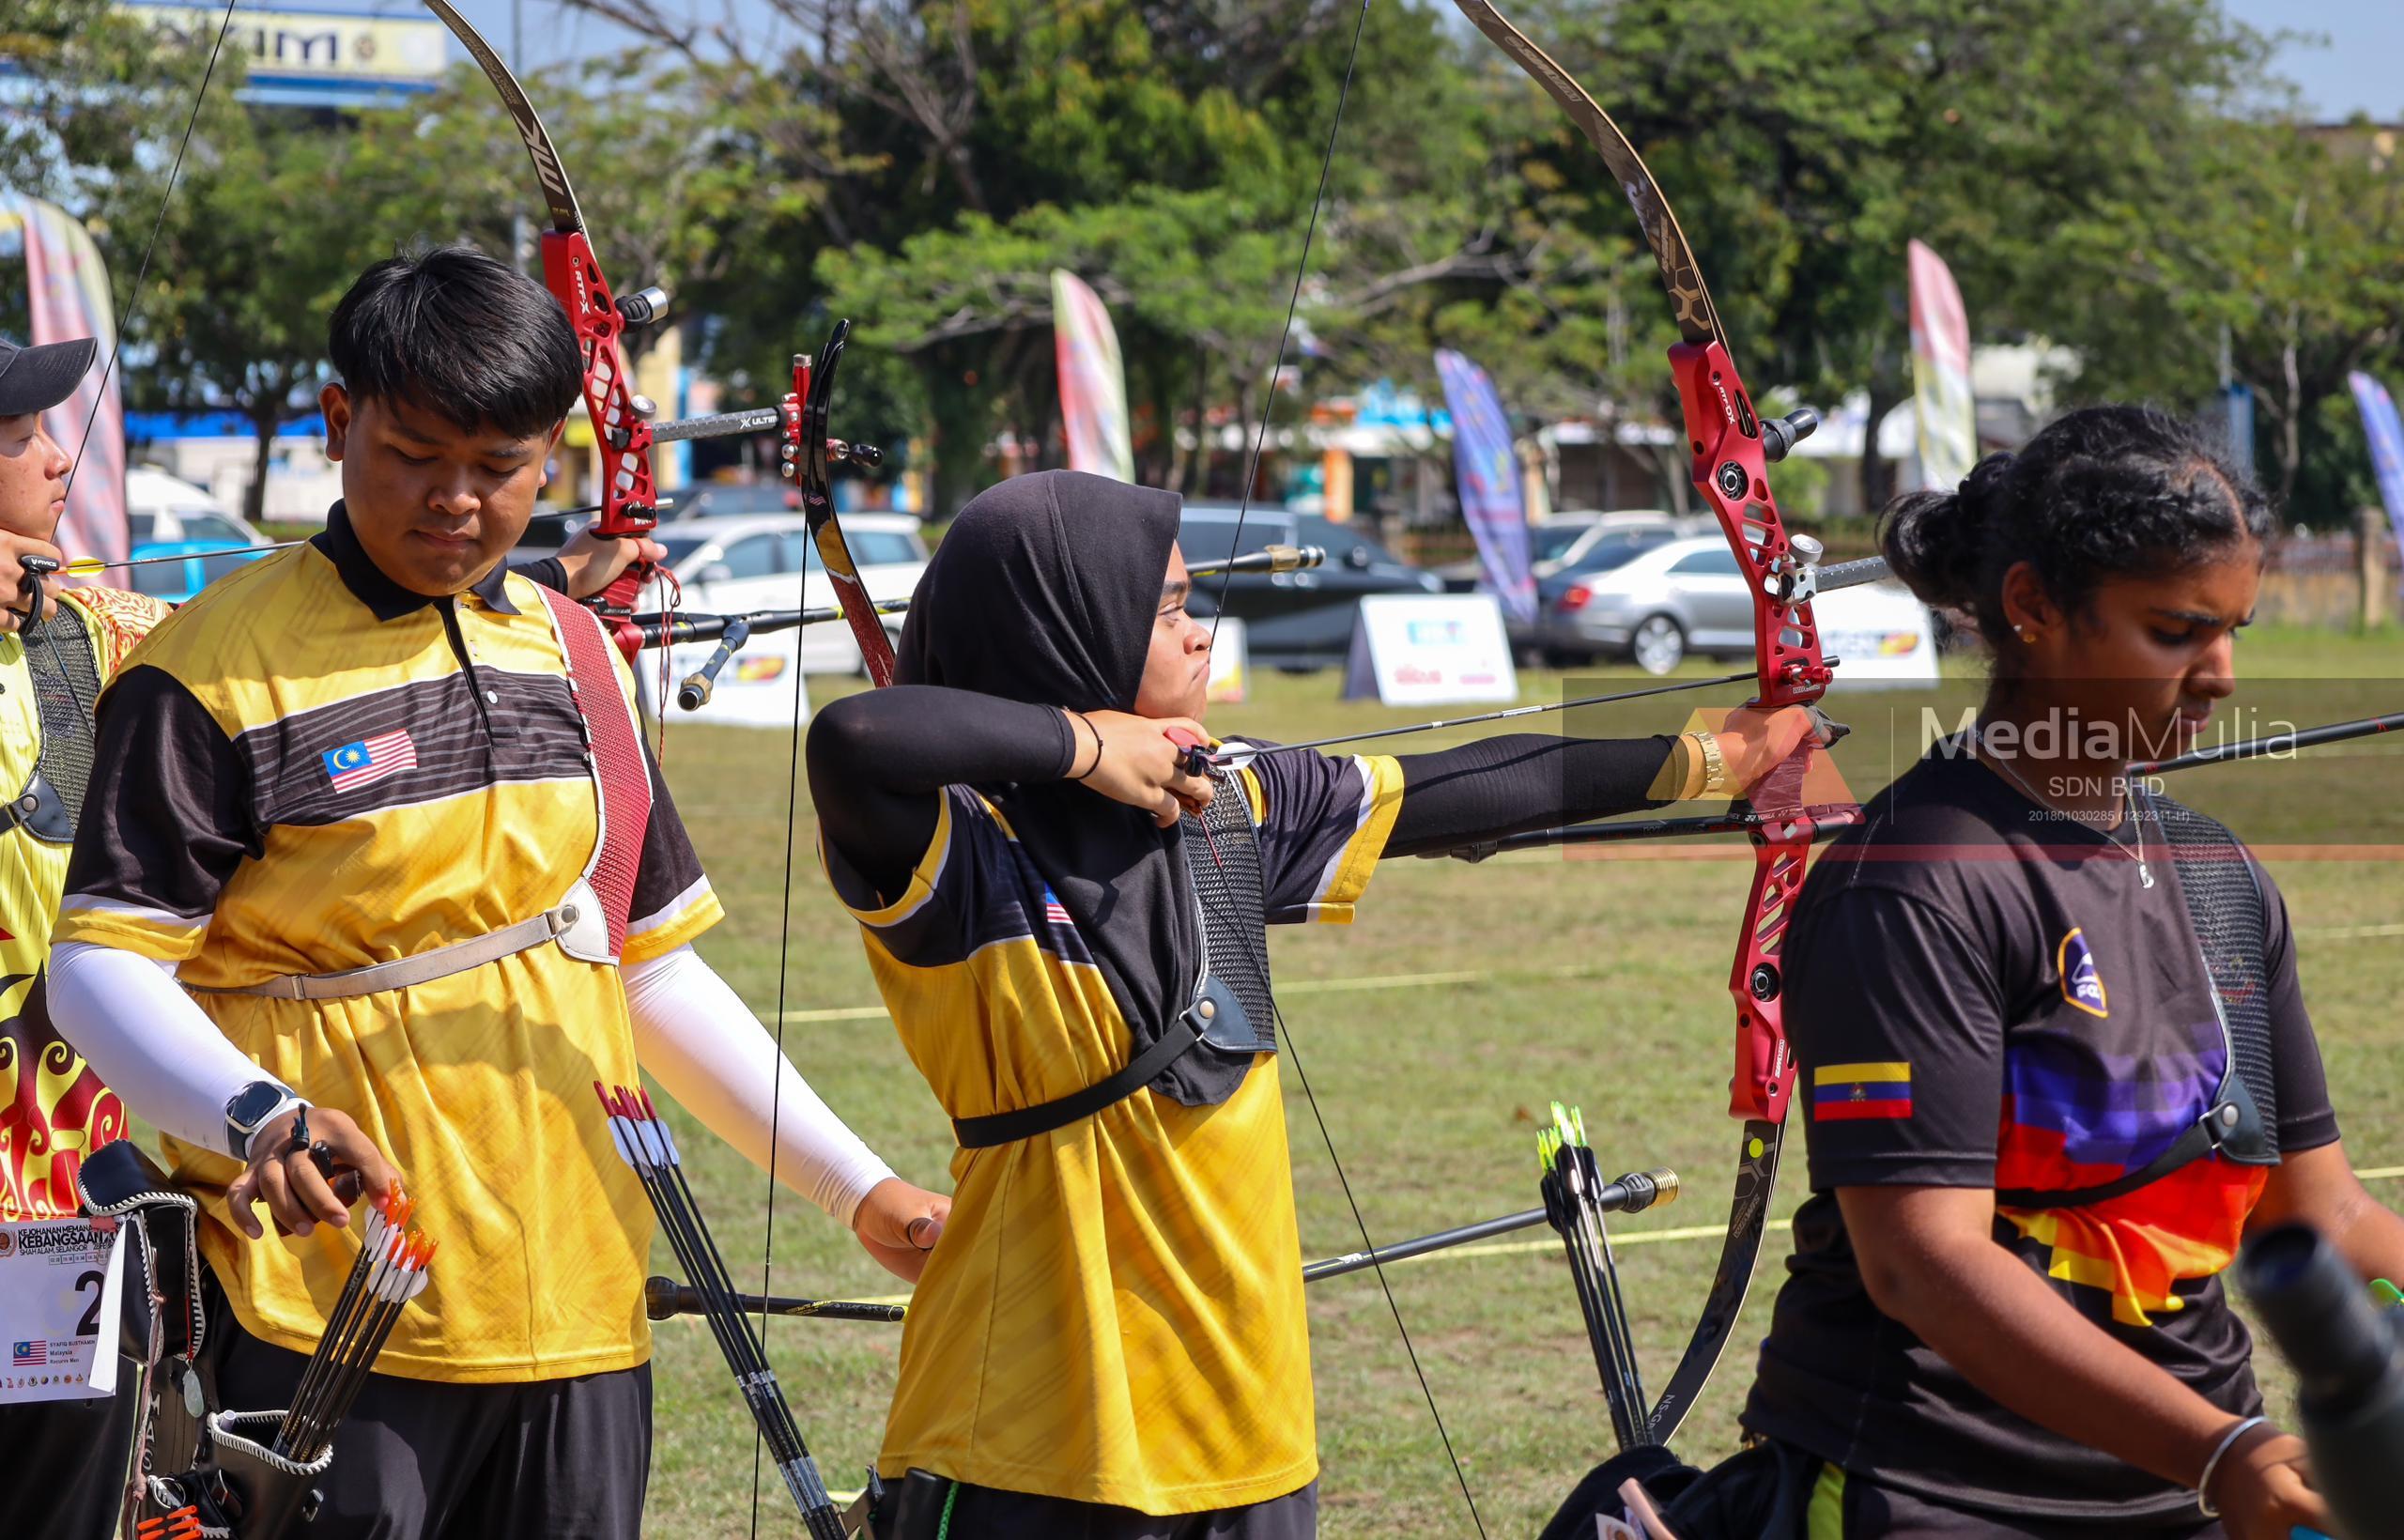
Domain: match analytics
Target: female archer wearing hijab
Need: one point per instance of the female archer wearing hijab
(1109, 1340)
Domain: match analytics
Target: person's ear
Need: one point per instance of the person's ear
(335, 402)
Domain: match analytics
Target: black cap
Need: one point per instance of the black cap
(35, 380)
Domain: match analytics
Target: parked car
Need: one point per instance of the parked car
(766, 561)
(1683, 597)
(1555, 637)
(160, 508)
(730, 499)
(1690, 596)
(1566, 546)
(1295, 621)
(155, 573)
(1557, 541)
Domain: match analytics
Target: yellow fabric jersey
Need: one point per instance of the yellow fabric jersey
(1115, 1314)
(313, 770)
(54, 1111)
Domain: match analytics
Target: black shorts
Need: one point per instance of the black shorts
(550, 1460)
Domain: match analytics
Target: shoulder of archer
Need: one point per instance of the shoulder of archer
(117, 619)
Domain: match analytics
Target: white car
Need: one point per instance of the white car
(1690, 596)
(162, 510)
(734, 565)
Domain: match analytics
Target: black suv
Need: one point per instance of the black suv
(1295, 621)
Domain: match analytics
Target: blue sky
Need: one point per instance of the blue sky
(2360, 65)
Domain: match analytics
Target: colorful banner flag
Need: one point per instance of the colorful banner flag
(68, 288)
(1487, 467)
(1941, 393)
(2386, 436)
(1093, 380)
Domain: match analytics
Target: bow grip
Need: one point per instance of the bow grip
(615, 605)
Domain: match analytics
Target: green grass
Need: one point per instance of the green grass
(1597, 982)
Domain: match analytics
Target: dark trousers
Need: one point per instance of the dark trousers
(987, 1514)
(553, 1459)
(67, 1464)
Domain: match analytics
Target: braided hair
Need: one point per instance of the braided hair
(2102, 492)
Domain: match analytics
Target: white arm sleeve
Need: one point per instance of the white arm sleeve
(147, 1039)
(703, 1043)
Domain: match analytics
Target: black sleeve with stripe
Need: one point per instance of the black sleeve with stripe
(668, 866)
(1520, 782)
(170, 812)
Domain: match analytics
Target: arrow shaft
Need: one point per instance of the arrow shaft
(2276, 743)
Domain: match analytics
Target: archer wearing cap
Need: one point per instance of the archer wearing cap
(55, 1106)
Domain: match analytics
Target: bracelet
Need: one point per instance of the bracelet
(1097, 741)
(2203, 1486)
(1714, 769)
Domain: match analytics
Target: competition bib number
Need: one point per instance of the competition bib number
(60, 1281)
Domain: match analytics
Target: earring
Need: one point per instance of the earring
(2027, 634)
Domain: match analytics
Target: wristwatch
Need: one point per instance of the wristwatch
(252, 1108)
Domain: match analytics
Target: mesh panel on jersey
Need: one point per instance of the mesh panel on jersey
(67, 686)
(1222, 860)
(2231, 920)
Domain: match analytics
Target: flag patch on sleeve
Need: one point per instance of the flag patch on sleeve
(1842, 1092)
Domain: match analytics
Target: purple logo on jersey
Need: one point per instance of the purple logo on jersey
(2082, 981)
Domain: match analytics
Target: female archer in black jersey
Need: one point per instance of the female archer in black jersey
(1110, 1340)
(2055, 1056)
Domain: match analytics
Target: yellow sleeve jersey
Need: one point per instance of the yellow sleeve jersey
(1116, 1313)
(307, 770)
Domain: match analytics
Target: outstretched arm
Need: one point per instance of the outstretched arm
(1532, 780)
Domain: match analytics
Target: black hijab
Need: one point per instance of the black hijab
(1045, 590)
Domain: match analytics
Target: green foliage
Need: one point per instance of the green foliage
(2114, 176)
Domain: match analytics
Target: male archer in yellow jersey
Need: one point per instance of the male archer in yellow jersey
(347, 852)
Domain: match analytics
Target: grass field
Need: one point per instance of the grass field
(1435, 1030)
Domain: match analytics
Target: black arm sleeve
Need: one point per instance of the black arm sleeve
(549, 571)
(879, 762)
(1520, 782)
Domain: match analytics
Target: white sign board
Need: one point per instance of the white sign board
(1433, 650)
(60, 1281)
(1230, 662)
(1879, 633)
(754, 690)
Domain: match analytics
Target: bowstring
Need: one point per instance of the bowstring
(36, 620)
(784, 942)
(1243, 507)
(1293, 304)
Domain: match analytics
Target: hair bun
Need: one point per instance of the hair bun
(1932, 538)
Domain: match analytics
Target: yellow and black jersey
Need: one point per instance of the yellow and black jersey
(1115, 1314)
(309, 769)
(54, 1111)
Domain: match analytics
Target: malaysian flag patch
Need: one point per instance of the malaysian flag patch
(30, 1355)
(370, 759)
(1846, 1092)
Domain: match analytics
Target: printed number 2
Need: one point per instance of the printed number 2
(91, 1325)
